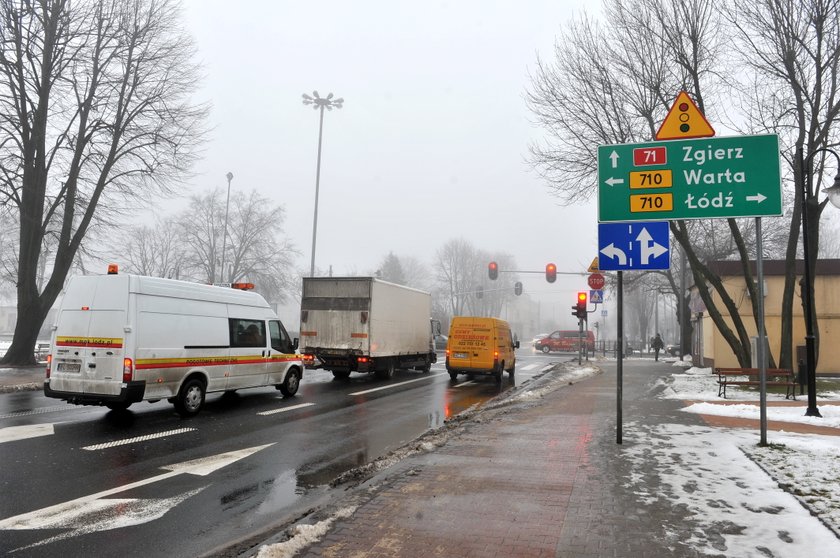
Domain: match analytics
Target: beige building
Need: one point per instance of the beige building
(711, 349)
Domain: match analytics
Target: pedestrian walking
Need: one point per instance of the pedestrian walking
(657, 345)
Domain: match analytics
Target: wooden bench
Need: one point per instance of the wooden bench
(775, 377)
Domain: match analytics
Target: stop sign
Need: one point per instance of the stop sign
(596, 281)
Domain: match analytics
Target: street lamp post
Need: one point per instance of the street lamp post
(229, 177)
(319, 103)
(833, 194)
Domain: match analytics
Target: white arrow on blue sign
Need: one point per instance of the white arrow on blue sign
(630, 246)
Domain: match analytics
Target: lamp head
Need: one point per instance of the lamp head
(833, 191)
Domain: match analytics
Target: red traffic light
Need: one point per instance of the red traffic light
(580, 307)
(493, 270)
(551, 273)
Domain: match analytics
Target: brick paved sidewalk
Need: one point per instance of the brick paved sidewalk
(543, 480)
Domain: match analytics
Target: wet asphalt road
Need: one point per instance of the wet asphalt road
(88, 481)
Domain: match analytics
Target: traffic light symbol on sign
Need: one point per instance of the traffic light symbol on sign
(517, 288)
(684, 121)
(493, 270)
(551, 273)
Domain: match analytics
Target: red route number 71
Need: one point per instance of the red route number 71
(643, 156)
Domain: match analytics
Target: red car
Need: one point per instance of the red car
(565, 341)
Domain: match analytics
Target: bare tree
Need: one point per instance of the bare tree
(95, 111)
(613, 84)
(456, 264)
(154, 250)
(257, 252)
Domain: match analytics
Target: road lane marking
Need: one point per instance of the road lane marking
(14, 433)
(136, 439)
(467, 383)
(529, 367)
(397, 385)
(40, 411)
(78, 514)
(284, 409)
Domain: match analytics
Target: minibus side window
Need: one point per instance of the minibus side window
(246, 333)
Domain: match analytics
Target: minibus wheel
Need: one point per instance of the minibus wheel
(191, 398)
(290, 385)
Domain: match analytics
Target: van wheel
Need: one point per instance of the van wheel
(545, 349)
(290, 385)
(498, 373)
(512, 369)
(453, 376)
(191, 398)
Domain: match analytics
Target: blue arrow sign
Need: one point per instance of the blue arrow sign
(630, 246)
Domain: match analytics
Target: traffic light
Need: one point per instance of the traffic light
(551, 273)
(517, 288)
(580, 307)
(493, 270)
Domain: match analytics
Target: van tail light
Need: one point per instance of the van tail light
(49, 365)
(496, 355)
(128, 370)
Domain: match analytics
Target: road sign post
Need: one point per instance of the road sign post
(690, 179)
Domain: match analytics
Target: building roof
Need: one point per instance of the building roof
(731, 268)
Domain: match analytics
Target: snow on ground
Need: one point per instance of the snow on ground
(801, 466)
(738, 508)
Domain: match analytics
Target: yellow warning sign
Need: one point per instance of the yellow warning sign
(593, 267)
(684, 121)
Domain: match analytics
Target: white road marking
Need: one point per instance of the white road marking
(284, 409)
(40, 411)
(390, 386)
(81, 507)
(136, 439)
(528, 367)
(13, 433)
(467, 383)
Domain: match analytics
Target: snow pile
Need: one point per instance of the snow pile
(830, 413)
(737, 509)
(302, 536)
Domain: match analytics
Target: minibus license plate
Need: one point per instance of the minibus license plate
(460, 355)
(69, 367)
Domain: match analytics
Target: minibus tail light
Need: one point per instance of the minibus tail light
(49, 365)
(128, 370)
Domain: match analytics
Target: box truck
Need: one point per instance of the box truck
(364, 324)
(120, 339)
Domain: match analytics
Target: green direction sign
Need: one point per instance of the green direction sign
(690, 179)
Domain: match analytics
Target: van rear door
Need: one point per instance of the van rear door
(90, 336)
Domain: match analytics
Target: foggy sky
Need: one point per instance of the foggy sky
(430, 145)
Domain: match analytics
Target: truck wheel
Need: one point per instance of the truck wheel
(191, 398)
(428, 367)
(545, 349)
(388, 373)
(341, 374)
(290, 385)
(121, 406)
